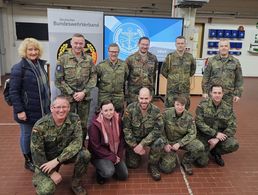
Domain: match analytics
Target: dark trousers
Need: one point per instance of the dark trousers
(106, 169)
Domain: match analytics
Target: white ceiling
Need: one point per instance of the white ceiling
(235, 8)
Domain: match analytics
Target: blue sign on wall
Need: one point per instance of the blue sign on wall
(126, 31)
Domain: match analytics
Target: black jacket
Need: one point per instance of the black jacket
(24, 92)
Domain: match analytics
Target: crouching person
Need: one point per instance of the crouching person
(216, 127)
(106, 143)
(143, 127)
(179, 133)
(57, 139)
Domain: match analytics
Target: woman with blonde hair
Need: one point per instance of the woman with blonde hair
(29, 92)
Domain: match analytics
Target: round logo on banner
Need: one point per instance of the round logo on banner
(127, 36)
(88, 48)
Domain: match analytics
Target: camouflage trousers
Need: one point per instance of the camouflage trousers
(194, 150)
(171, 96)
(131, 98)
(228, 97)
(133, 160)
(227, 146)
(82, 109)
(117, 100)
(44, 184)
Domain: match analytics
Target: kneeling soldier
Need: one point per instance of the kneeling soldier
(57, 139)
(216, 127)
(143, 126)
(179, 133)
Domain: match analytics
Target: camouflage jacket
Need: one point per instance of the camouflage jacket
(178, 70)
(111, 80)
(49, 142)
(228, 74)
(141, 73)
(180, 130)
(75, 75)
(142, 129)
(211, 119)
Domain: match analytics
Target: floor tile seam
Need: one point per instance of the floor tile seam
(189, 189)
(9, 124)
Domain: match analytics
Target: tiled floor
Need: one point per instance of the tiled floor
(238, 177)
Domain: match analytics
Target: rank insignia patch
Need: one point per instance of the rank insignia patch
(59, 68)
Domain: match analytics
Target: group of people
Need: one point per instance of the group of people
(53, 134)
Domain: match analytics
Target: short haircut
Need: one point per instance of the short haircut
(143, 38)
(216, 85)
(105, 102)
(181, 37)
(145, 89)
(182, 100)
(224, 40)
(22, 50)
(78, 35)
(114, 45)
(63, 97)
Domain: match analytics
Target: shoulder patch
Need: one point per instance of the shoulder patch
(59, 68)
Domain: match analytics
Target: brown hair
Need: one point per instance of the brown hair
(78, 35)
(216, 85)
(182, 100)
(103, 103)
(181, 37)
(143, 38)
(113, 45)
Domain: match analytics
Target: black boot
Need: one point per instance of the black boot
(100, 180)
(217, 158)
(28, 162)
(154, 171)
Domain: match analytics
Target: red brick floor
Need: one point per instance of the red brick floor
(238, 177)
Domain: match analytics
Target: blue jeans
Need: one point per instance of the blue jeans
(25, 137)
(106, 169)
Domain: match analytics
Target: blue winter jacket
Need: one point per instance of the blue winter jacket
(24, 92)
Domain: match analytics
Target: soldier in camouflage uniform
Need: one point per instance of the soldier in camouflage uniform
(143, 127)
(75, 76)
(57, 139)
(177, 68)
(225, 70)
(142, 67)
(179, 133)
(216, 127)
(111, 76)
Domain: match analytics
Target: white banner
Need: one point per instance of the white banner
(62, 24)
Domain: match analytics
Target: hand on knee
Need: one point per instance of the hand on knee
(56, 177)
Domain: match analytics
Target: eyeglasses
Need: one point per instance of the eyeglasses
(115, 52)
(61, 107)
